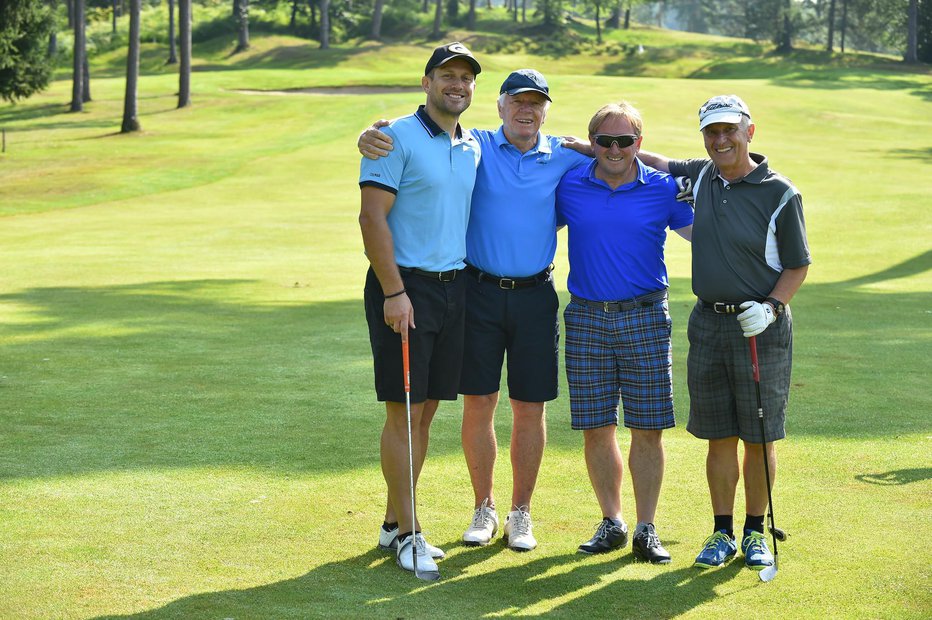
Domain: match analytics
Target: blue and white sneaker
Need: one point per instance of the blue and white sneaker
(718, 549)
(388, 541)
(757, 555)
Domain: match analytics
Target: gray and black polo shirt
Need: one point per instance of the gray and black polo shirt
(745, 232)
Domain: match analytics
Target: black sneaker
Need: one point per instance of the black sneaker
(607, 537)
(646, 546)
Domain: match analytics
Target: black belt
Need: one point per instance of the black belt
(511, 283)
(443, 276)
(721, 307)
(641, 301)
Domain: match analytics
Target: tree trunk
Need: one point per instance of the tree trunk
(912, 33)
(184, 43)
(77, 77)
(523, 11)
(488, 4)
(628, 18)
(242, 20)
(325, 24)
(172, 56)
(69, 4)
(313, 5)
(471, 16)
(844, 23)
(130, 120)
(598, 24)
(114, 16)
(425, 6)
(376, 32)
(438, 16)
(830, 47)
(86, 79)
(294, 15)
(785, 34)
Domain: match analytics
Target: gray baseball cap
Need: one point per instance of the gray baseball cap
(723, 109)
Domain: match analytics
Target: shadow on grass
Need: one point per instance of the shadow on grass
(897, 476)
(180, 374)
(571, 586)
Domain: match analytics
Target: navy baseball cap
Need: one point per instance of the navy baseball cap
(446, 53)
(524, 80)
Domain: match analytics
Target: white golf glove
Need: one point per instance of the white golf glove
(755, 318)
(684, 186)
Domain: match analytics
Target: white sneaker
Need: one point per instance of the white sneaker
(483, 527)
(426, 567)
(388, 541)
(518, 530)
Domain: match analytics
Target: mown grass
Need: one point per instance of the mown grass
(188, 425)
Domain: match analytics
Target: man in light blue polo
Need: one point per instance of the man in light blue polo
(512, 305)
(415, 209)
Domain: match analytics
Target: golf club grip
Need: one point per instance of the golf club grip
(407, 365)
(754, 367)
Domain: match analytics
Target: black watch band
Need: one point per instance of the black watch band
(777, 305)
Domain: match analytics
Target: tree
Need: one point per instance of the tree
(376, 32)
(26, 28)
(184, 43)
(130, 119)
(172, 57)
(242, 21)
(471, 16)
(912, 38)
(831, 27)
(551, 13)
(438, 17)
(77, 75)
(325, 24)
(924, 31)
(597, 5)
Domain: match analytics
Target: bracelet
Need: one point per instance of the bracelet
(401, 292)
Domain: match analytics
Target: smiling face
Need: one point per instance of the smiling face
(522, 115)
(727, 145)
(616, 165)
(449, 89)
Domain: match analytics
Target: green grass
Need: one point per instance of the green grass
(188, 423)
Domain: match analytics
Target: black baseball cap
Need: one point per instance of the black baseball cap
(448, 52)
(523, 80)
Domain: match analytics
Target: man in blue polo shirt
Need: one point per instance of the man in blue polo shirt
(618, 324)
(415, 209)
(512, 305)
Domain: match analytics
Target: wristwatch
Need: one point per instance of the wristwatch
(777, 305)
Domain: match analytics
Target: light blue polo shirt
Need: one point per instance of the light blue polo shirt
(432, 178)
(617, 237)
(512, 227)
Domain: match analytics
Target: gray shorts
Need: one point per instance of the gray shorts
(722, 398)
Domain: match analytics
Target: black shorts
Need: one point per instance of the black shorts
(524, 322)
(435, 346)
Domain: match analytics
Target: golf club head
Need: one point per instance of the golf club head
(779, 534)
(768, 573)
(429, 575)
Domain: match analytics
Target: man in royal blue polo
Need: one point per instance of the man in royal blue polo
(415, 209)
(618, 324)
(512, 305)
(750, 257)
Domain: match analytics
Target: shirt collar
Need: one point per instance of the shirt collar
(543, 145)
(755, 176)
(433, 128)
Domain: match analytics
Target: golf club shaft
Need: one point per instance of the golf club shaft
(407, 370)
(752, 341)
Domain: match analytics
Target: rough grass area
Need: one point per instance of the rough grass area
(187, 423)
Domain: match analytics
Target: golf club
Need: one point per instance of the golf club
(428, 575)
(768, 573)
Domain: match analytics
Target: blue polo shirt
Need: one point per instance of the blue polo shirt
(617, 237)
(432, 178)
(512, 227)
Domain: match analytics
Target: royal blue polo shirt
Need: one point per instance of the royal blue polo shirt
(512, 227)
(617, 237)
(432, 178)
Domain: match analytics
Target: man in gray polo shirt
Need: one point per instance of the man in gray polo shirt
(750, 256)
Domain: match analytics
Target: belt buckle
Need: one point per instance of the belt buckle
(451, 274)
(506, 283)
(720, 307)
(606, 305)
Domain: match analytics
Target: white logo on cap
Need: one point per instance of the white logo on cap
(459, 48)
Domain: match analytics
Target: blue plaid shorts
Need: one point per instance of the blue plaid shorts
(626, 355)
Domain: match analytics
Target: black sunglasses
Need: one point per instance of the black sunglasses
(624, 141)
